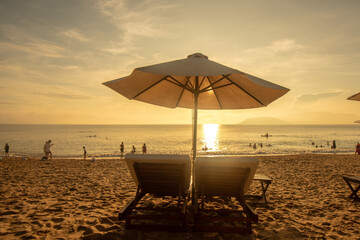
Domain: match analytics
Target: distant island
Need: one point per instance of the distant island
(263, 121)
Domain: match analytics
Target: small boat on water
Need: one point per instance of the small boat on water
(266, 135)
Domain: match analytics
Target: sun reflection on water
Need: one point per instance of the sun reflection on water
(210, 141)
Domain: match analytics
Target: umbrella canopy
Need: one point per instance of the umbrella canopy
(197, 83)
(175, 84)
(355, 97)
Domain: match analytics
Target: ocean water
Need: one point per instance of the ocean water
(104, 140)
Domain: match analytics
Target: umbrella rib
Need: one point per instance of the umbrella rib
(164, 78)
(190, 84)
(176, 82)
(207, 88)
(182, 92)
(245, 91)
(178, 101)
(217, 99)
(218, 87)
(203, 80)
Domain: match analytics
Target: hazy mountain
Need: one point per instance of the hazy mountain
(264, 121)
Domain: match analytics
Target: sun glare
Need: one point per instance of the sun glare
(210, 141)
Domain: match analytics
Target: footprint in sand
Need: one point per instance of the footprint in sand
(100, 228)
(58, 227)
(20, 233)
(57, 220)
(8, 213)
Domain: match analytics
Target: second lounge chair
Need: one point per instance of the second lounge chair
(227, 177)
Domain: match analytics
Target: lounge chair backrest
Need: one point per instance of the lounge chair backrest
(160, 174)
(222, 181)
(224, 175)
(161, 178)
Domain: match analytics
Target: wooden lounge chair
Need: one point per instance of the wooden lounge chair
(161, 176)
(350, 179)
(228, 177)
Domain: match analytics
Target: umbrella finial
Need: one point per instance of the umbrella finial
(197, 55)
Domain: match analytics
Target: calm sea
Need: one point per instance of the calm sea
(104, 140)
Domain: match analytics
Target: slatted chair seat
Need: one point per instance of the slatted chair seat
(227, 177)
(161, 176)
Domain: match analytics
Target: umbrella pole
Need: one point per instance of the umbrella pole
(195, 117)
(195, 113)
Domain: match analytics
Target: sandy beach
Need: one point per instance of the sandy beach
(73, 199)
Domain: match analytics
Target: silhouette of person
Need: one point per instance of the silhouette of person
(133, 149)
(144, 149)
(7, 147)
(122, 147)
(334, 145)
(47, 150)
(84, 152)
(357, 149)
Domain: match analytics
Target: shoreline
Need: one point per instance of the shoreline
(97, 157)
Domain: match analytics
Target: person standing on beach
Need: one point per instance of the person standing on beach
(144, 148)
(47, 150)
(133, 149)
(7, 150)
(334, 145)
(357, 149)
(122, 148)
(84, 152)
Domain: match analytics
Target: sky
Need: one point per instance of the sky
(55, 55)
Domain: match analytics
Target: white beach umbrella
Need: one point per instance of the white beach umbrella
(196, 83)
(355, 97)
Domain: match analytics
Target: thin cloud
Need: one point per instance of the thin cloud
(15, 39)
(63, 96)
(143, 19)
(66, 67)
(75, 34)
(40, 48)
(286, 56)
(6, 103)
(311, 98)
(278, 46)
(117, 50)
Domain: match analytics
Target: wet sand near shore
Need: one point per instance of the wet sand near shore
(74, 199)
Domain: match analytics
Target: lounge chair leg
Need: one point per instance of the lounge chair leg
(353, 194)
(248, 210)
(130, 206)
(264, 188)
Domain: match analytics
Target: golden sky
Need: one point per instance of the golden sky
(55, 55)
